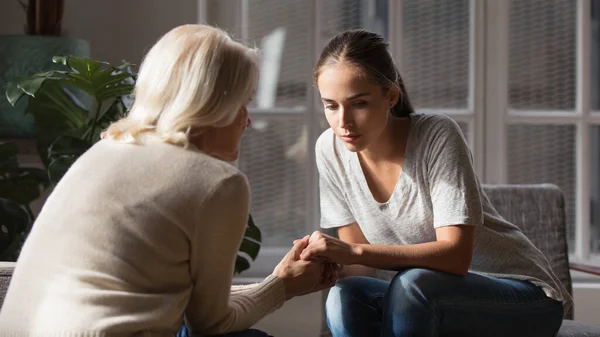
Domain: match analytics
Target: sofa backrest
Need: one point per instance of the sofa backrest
(539, 211)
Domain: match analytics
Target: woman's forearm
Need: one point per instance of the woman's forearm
(357, 270)
(439, 255)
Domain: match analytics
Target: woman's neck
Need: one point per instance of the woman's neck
(391, 143)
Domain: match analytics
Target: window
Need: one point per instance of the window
(541, 94)
(521, 77)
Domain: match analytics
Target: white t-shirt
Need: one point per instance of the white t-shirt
(438, 187)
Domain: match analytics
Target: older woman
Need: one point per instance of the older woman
(143, 229)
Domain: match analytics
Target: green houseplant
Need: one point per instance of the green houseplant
(67, 126)
(19, 186)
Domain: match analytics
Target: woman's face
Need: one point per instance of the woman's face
(357, 109)
(224, 142)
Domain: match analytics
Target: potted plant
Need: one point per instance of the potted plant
(66, 126)
(19, 186)
(24, 54)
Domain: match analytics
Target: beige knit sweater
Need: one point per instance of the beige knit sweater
(133, 238)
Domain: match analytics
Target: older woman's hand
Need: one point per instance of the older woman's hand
(301, 277)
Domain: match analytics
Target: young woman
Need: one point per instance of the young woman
(144, 229)
(402, 191)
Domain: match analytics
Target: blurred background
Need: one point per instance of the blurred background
(521, 77)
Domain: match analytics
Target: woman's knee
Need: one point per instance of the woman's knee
(353, 292)
(421, 282)
(341, 294)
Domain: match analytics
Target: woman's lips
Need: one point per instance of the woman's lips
(349, 138)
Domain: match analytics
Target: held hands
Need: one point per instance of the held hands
(322, 246)
(301, 277)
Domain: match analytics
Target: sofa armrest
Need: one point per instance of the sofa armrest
(586, 268)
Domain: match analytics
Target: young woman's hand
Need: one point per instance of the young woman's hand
(325, 247)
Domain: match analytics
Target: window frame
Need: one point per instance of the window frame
(498, 115)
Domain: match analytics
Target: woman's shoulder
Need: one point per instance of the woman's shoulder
(430, 127)
(168, 162)
(435, 122)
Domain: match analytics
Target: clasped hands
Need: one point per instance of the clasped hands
(314, 263)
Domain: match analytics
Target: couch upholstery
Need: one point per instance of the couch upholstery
(6, 269)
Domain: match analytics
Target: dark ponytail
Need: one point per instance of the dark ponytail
(368, 52)
(403, 107)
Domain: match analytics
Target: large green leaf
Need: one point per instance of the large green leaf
(13, 92)
(250, 247)
(40, 176)
(62, 154)
(13, 222)
(109, 76)
(56, 113)
(60, 60)
(115, 91)
(252, 231)
(68, 146)
(85, 66)
(241, 264)
(31, 85)
(83, 83)
(115, 111)
(58, 167)
(53, 99)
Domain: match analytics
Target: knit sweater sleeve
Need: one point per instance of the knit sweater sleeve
(214, 307)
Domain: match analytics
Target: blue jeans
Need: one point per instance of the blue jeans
(426, 303)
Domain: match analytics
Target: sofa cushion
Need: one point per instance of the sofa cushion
(6, 270)
(571, 328)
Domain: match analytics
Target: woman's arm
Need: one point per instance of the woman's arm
(450, 253)
(354, 235)
(215, 241)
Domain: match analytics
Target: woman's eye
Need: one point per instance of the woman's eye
(330, 107)
(360, 104)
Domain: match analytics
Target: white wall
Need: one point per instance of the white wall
(587, 302)
(116, 29)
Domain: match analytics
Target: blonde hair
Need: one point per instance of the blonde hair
(195, 76)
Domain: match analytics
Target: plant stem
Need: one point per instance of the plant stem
(94, 121)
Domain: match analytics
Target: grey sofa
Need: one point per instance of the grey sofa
(539, 210)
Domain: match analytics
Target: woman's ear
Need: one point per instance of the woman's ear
(394, 95)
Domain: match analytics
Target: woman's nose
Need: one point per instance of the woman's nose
(345, 118)
(248, 122)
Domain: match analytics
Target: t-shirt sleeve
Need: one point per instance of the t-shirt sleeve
(453, 184)
(335, 211)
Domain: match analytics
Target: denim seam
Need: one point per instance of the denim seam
(377, 295)
(495, 304)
